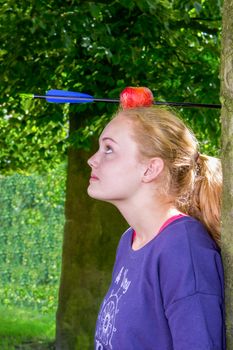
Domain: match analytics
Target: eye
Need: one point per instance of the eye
(108, 149)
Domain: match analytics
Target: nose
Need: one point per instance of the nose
(93, 161)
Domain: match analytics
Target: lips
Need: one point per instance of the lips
(93, 177)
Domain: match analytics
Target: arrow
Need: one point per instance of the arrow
(63, 96)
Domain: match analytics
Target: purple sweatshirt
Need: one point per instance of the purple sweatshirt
(167, 295)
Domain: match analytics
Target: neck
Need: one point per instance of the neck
(146, 218)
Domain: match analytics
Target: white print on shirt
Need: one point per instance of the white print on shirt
(106, 320)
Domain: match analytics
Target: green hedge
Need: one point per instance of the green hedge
(31, 232)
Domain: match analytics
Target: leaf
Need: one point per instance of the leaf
(198, 7)
(95, 10)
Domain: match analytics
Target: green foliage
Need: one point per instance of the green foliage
(19, 326)
(99, 48)
(31, 220)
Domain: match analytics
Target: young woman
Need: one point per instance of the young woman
(167, 283)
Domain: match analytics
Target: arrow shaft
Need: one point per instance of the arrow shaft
(69, 98)
(164, 103)
(187, 104)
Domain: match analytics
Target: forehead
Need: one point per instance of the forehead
(118, 127)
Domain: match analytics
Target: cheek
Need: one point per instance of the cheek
(127, 178)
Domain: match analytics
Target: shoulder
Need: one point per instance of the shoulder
(190, 260)
(187, 240)
(187, 233)
(126, 236)
(125, 240)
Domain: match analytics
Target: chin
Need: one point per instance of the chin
(98, 196)
(93, 194)
(90, 192)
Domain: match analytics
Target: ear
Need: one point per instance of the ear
(154, 168)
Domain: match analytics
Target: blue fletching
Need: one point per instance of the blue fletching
(63, 96)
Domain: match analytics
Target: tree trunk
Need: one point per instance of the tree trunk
(227, 161)
(91, 233)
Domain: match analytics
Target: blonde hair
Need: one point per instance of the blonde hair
(192, 180)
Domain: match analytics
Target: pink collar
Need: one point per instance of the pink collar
(165, 224)
(170, 220)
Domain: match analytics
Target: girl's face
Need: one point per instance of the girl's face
(116, 170)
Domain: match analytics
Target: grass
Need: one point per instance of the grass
(26, 329)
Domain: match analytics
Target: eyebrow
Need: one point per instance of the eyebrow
(108, 138)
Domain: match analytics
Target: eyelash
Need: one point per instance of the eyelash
(108, 149)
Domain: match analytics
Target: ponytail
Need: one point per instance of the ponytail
(205, 199)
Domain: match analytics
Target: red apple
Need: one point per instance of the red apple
(132, 97)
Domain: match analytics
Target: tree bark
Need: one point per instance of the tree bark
(91, 233)
(227, 161)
